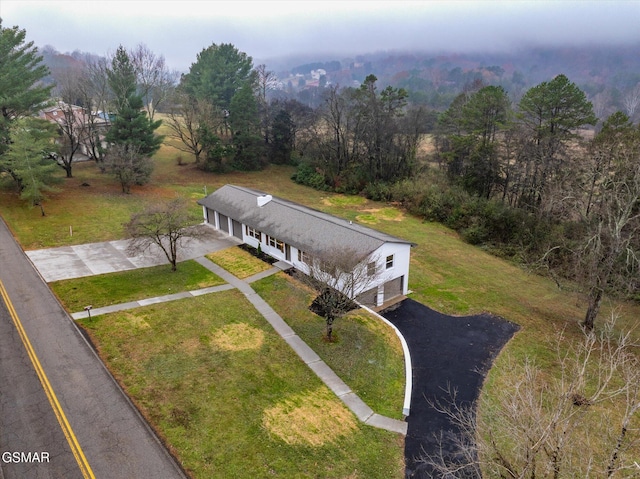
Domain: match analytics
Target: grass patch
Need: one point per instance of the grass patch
(241, 413)
(125, 286)
(238, 262)
(373, 216)
(367, 355)
(343, 201)
(295, 420)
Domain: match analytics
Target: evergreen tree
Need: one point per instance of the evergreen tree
(470, 143)
(219, 72)
(21, 71)
(121, 77)
(245, 124)
(28, 159)
(131, 126)
(281, 138)
(551, 112)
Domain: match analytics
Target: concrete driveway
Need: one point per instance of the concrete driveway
(68, 262)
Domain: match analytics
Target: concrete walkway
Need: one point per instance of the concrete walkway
(363, 412)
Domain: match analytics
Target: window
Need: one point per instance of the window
(303, 257)
(275, 243)
(254, 233)
(389, 263)
(371, 269)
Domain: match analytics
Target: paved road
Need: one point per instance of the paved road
(28, 423)
(115, 440)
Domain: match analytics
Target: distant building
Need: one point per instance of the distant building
(82, 121)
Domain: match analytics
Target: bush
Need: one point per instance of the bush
(378, 191)
(507, 231)
(308, 176)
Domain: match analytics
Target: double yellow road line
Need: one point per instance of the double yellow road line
(87, 473)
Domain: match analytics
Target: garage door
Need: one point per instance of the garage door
(224, 223)
(369, 297)
(237, 229)
(393, 288)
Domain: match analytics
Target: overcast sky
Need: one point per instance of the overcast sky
(179, 30)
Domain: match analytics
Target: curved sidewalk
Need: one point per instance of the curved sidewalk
(363, 412)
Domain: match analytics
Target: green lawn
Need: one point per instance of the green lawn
(367, 354)
(232, 399)
(238, 262)
(446, 274)
(125, 286)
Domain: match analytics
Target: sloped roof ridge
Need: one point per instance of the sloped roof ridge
(378, 235)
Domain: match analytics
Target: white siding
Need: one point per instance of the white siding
(399, 251)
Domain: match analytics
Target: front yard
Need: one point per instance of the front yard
(231, 399)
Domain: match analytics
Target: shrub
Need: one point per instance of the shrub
(378, 191)
(308, 176)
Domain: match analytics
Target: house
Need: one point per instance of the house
(294, 233)
(86, 127)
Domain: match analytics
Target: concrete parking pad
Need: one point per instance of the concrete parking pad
(77, 261)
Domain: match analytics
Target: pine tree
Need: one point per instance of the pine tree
(21, 71)
(28, 159)
(133, 128)
(132, 137)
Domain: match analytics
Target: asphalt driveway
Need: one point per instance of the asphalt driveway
(445, 350)
(68, 262)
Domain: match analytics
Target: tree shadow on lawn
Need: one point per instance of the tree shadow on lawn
(447, 352)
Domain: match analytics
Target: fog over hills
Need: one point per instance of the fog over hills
(323, 30)
(431, 48)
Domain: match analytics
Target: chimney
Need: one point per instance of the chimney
(263, 200)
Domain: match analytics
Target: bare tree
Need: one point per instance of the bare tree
(166, 226)
(581, 422)
(190, 121)
(599, 197)
(631, 100)
(266, 81)
(155, 80)
(70, 115)
(128, 166)
(96, 97)
(608, 258)
(339, 277)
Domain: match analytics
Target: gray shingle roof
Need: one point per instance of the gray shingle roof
(304, 228)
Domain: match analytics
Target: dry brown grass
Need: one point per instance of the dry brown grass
(136, 321)
(190, 346)
(238, 337)
(238, 262)
(375, 215)
(313, 418)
